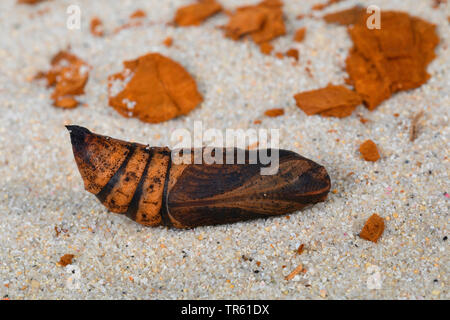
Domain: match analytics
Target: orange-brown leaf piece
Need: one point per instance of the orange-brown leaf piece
(263, 22)
(266, 47)
(322, 6)
(195, 14)
(300, 35)
(296, 271)
(97, 27)
(138, 14)
(391, 59)
(369, 151)
(69, 75)
(346, 17)
(66, 103)
(373, 229)
(66, 260)
(362, 119)
(153, 88)
(279, 55)
(245, 21)
(293, 53)
(273, 26)
(168, 42)
(29, 1)
(274, 112)
(331, 101)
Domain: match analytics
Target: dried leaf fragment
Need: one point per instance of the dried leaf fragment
(69, 75)
(346, 17)
(153, 88)
(168, 42)
(66, 103)
(263, 22)
(373, 228)
(244, 21)
(293, 53)
(195, 14)
(274, 112)
(29, 1)
(369, 151)
(300, 249)
(331, 101)
(390, 59)
(266, 48)
(66, 260)
(97, 27)
(58, 230)
(362, 119)
(414, 130)
(138, 14)
(273, 26)
(322, 6)
(295, 272)
(300, 35)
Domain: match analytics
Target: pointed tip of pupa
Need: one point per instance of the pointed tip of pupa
(77, 135)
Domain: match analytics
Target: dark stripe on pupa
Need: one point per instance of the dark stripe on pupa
(103, 194)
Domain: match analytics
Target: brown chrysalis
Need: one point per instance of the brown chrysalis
(145, 183)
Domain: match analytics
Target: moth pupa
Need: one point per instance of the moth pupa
(146, 185)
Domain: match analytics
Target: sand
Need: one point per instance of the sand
(115, 258)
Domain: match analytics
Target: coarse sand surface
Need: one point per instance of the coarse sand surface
(45, 212)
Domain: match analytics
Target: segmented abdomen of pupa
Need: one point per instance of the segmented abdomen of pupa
(127, 178)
